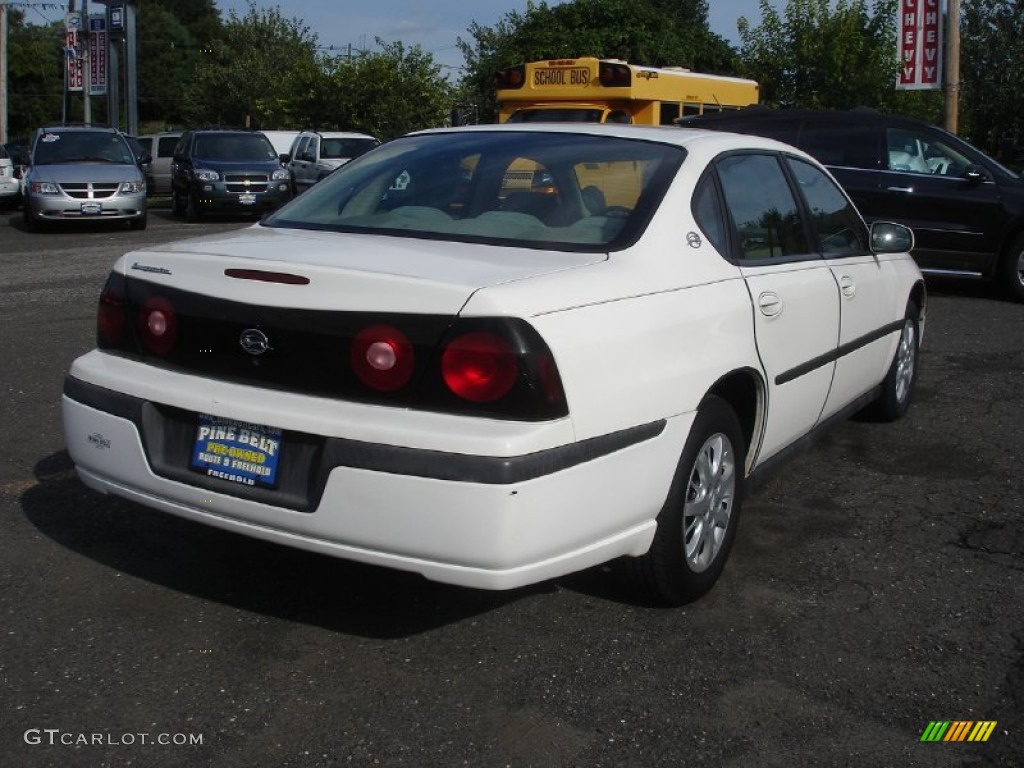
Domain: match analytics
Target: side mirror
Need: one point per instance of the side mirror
(285, 158)
(887, 237)
(977, 173)
(145, 158)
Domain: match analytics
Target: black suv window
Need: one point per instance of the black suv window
(839, 227)
(844, 145)
(763, 208)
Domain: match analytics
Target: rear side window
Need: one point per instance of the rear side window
(842, 145)
(763, 207)
(165, 146)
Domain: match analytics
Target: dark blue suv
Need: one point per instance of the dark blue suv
(227, 171)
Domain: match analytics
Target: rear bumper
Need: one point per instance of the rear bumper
(492, 522)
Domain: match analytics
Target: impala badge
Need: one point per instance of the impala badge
(254, 341)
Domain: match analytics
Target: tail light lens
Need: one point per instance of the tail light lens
(110, 316)
(513, 77)
(479, 367)
(614, 75)
(157, 325)
(382, 358)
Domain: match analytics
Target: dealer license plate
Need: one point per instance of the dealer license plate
(247, 199)
(92, 209)
(246, 454)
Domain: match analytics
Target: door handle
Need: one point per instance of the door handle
(847, 286)
(770, 304)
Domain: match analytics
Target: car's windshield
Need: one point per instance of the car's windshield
(552, 190)
(81, 147)
(234, 146)
(337, 149)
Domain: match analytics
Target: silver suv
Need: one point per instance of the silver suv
(84, 173)
(315, 154)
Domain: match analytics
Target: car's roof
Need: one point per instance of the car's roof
(79, 128)
(339, 134)
(761, 113)
(683, 137)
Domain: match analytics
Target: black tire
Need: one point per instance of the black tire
(1011, 270)
(177, 204)
(697, 525)
(901, 379)
(139, 223)
(192, 212)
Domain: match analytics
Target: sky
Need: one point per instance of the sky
(436, 26)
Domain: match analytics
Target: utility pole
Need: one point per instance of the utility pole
(953, 65)
(3, 72)
(86, 79)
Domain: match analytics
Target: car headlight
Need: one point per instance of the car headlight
(279, 175)
(131, 187)
(204, 174)
(44, 188)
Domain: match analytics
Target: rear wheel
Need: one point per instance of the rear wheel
(1011, 270)
(697, 525)
(32, 224)
(177, 204)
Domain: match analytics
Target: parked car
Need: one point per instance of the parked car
(144, 157)
(226, 171)
(423, 364)
(83, 172)
(10, 184)
(966, 210)
(161, 147)
(315, 154)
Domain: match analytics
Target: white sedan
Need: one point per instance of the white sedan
(500, 354)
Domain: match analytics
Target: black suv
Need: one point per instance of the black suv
(966, 210)
(226, 171)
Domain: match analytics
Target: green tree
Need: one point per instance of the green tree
(35, 74)
(818, 56)
(248, 75)
(650, 32)
(168, 54)
(385, 93)
(991, 70)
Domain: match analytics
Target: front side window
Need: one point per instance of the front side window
(762, 206)
(839, 228)
(913, 151)
(552, 190)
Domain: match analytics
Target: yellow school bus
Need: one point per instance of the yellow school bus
(590, 90)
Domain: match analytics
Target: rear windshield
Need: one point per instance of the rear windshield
(552, 190)
(234, 146)
(81, 147)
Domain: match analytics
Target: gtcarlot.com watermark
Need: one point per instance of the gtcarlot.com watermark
(56, 737)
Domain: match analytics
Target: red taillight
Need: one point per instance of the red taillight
(158, 326)
(511, 78)
(614, 75)
(382, 357)
(479, 367)
(110, 315)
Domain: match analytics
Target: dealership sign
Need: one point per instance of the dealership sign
(74, 45)
(919, 28)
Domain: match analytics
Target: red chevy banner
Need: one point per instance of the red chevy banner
(919, 29)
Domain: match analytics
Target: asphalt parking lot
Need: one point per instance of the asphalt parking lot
(876, 586)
